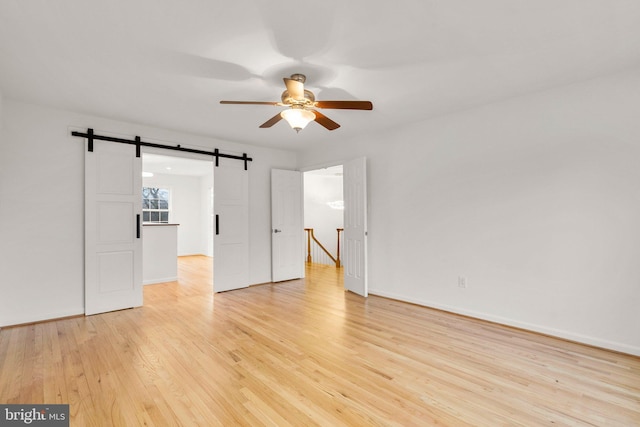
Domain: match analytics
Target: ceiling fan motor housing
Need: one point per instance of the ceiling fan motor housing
(309, 98)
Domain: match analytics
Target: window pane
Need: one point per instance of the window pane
(154, 199)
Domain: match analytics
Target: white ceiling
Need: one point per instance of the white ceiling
(168, 64)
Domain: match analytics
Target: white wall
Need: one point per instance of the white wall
(318, 190)
(186, 210)
(535, 201)
(42, 206)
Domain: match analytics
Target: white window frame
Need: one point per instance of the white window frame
(151, 211)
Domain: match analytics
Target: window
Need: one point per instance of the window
(155, 205)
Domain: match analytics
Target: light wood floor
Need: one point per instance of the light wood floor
(307, 353)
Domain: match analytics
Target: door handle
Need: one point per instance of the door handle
(137, 226)
(275, 230)
(217, 224)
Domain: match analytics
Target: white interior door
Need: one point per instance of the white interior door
(113, 244)
(287, 229)
(231, 222)
(355, 226)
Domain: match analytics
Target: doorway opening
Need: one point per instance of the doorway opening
(177, 214)
(324, 216)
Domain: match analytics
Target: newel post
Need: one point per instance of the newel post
(338, 249)
(309, 231)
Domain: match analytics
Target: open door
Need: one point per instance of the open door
(355, 226)
(113, 244)
(287, 229)
(231, 222)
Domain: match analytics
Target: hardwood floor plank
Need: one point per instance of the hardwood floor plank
(13, 342)
(305, 352)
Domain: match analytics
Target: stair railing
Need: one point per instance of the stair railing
(316, 250)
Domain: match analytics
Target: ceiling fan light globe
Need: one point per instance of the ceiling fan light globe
(298, 118)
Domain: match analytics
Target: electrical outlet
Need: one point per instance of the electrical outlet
(462, 282)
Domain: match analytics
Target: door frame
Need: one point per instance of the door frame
(184, 155)
(189, 156)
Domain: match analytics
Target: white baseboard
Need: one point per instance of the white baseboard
(195, 254)
(567, 335)
(40, 317)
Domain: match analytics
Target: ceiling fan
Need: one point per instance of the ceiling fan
(302, 106)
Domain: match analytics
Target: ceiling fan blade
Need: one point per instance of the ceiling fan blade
(272, 121)
(345, 105)
(250, 102)
(295, 88)
(325, 121)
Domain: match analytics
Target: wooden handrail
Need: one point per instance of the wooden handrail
(311, 236)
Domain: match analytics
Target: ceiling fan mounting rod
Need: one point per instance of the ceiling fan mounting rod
(299, 77)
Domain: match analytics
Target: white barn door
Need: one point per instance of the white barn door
(355, 226)
(287, 229)
(231, 222)
(113, 244)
